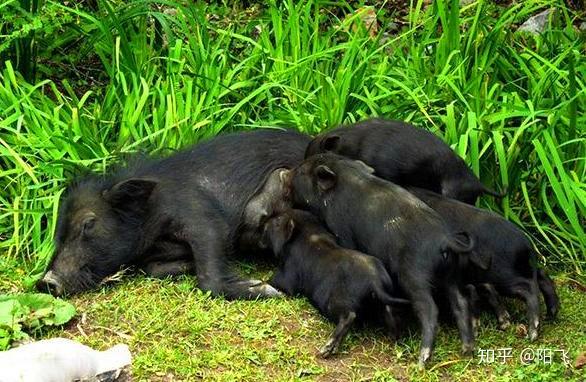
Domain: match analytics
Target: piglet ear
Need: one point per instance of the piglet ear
(283, 237)
(326, 177)
(330, 143)
(364, 167)
(289, 229)
(130, 193)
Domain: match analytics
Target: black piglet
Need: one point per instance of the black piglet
(341, 283)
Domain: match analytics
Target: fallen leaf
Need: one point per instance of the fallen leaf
(580, 360)
(367, 19)
(521, 331)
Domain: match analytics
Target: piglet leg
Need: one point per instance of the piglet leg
(497, 306)
(473, 301)
(528, 290)
(344, 323)
(460, 309)
(427, 313)
(552, 301)
(391, 322)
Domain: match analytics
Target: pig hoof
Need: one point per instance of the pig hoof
(328, 350)
(251, 283)
(265, 290)
(475, 326)
(504, 324)
(504, 320)
(532, 335)
(424, 357)
(467, 350)
(551, 314)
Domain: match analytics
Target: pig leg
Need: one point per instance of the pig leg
(283, 281)
(474, 309)
(162, 269)
(208, 245)
(167, 258)
(528, 290)
(460, 309)
(391, 322)
(503, 317)
(552, 301)
(427, 313)
(344, 323)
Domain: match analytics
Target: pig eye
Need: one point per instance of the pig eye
(88, 224)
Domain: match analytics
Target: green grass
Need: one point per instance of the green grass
(512, 105)
(156, 76)
(176, 331)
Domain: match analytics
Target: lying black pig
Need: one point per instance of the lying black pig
(405, 155)
(384, 220)
(512, 258)
(341, 283)
(191, 200)
(170, 257)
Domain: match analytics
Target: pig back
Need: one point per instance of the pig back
(229, 168)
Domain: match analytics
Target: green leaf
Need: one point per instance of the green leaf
(30, 311)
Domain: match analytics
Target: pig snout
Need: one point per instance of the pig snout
(50, 284)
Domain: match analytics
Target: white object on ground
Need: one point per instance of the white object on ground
(59, 360)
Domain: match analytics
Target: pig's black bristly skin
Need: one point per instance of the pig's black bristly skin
(341, 283)
(157, 213)
(405, 155)
(512, 258)
(384, 220)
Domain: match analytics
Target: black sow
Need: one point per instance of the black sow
(191, 202)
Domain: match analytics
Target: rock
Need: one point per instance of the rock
(119, 375)
(537, 24)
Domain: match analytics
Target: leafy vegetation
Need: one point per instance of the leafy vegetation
(512, 105)
(84, 84)
(31, 312)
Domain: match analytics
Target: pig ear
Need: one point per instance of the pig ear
(482, 260)
(330, 143)
(326, 178)
(364, 167)
(130, 193)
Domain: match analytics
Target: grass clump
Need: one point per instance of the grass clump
(512, 105)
